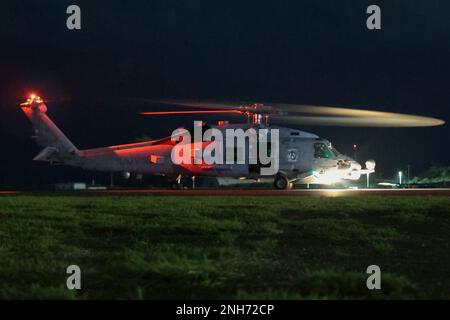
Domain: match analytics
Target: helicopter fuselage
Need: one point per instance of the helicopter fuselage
(303, 157)
(300, 156)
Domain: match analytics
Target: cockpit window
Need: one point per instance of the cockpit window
(322, 151)
(335, 152)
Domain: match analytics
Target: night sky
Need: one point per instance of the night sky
(310, 52)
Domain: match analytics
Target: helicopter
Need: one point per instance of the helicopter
(301, 157)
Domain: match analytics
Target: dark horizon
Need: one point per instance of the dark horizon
(308, 52)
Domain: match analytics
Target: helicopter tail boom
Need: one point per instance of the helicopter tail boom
(46, 133)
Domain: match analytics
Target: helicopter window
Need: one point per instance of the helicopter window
(335, 152)
(322, 151)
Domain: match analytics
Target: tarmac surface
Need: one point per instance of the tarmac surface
(296, 192)
(252, 192)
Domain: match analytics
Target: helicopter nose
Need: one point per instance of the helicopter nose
(348, 164)
(355, 165)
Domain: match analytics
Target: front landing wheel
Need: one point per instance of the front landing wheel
(282, 183)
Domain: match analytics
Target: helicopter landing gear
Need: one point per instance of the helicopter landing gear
(281, 182)
(176, 184)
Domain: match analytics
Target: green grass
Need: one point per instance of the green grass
(151, 247)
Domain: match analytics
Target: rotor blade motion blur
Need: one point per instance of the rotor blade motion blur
(312, 115)
(159, 113)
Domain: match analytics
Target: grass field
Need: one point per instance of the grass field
(148, 247)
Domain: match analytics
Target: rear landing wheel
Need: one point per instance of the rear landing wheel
(176, 184)
(282, 183)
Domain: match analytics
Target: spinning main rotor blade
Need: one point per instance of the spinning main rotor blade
(158, 113)
(199, 104)
(397, 121)
(314, 115)
(333, 116)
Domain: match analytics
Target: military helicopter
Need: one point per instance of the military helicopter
(302, 157)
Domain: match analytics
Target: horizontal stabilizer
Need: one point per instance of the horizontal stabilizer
(49, 154)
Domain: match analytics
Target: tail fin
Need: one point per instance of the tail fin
(45, 132)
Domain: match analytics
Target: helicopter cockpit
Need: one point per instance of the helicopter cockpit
(325, 150)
